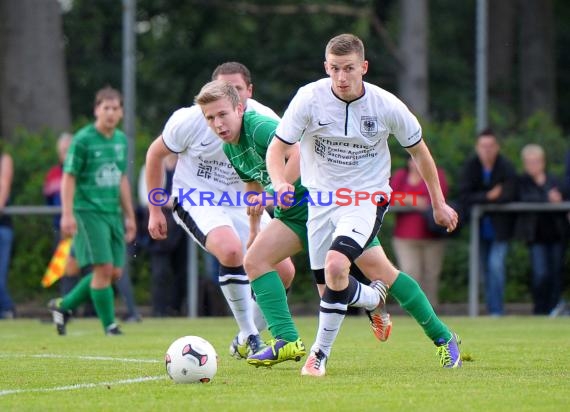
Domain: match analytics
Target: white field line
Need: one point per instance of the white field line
(81, 385)
(101, 358)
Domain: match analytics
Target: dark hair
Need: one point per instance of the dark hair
(487, 132)
(232, 68)
(107, 93)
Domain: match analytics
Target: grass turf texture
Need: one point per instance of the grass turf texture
(517, 363)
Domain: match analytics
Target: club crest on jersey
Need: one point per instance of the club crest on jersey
(368, 126)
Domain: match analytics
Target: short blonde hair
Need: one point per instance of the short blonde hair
(63, 142)
(344, 44)
(531, 149)
(216, 90)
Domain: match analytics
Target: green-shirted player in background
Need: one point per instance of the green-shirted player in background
(97, 210)
(246, 138)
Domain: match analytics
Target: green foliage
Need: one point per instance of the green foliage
(33, 235)
(451, 58)
(92, 32)
(180, 43)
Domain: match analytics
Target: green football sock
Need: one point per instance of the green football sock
(78, 295)
(104, 302)
(272, 300)
(412, 298)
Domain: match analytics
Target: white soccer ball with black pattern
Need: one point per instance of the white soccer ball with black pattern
(191, 359)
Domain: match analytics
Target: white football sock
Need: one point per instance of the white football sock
(237, 291)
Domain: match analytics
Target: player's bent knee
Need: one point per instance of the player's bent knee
(347, 246)
(230, 256)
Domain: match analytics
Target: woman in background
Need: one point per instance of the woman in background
(544, 232)
(418, 249)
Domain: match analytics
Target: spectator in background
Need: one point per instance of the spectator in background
(488, 177)
(418, 248)
(52, 195)
(544, 232)
(6, 234)
(168, 257)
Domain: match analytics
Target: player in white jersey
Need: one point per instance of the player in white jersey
(343, 124)
(208, 202)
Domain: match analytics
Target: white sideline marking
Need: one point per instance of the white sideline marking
(82, 385)
(101, 358)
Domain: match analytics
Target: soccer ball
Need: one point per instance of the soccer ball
(191, 359)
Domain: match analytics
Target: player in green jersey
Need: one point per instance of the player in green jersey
(97, 210)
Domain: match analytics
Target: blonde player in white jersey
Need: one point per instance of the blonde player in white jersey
(208, 202)
(343, 124)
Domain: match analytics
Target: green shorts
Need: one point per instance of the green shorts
(295, 218)
(100, 239)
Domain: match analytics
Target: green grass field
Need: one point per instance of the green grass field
(517, 363)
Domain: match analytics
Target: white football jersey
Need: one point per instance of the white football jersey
(344, 145)
(203, 171)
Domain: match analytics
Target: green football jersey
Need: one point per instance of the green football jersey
(98, 163)
(248, 155)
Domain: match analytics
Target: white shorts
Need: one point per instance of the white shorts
(326, 223)
(198, 221)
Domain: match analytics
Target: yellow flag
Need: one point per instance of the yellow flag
(56, 267)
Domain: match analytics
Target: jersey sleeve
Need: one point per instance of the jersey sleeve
(180, 129)
(403, 124)
(296, 117)
(76, 157)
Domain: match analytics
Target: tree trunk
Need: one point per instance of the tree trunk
(537, 69)
(413, 76)
(33, 86)
(502, 50)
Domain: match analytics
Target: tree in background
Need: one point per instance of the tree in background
(33, 77)
(413, 81)
(537, 62)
